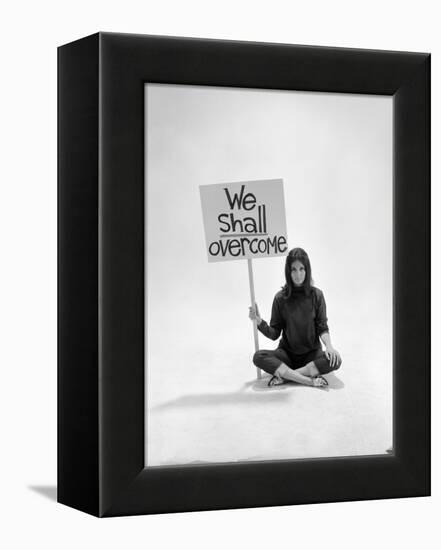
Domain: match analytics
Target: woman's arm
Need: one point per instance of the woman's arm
(273, 330)
(331, 353)
(323, 331)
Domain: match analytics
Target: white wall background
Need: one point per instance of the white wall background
(334, 153)
(30, 34)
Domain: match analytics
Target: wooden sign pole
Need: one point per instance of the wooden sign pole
(253, 304)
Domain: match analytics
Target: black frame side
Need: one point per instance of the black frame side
(128, 62)
(78, 145)
(412, 292)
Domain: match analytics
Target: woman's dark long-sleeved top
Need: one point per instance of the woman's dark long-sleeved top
(301, 319)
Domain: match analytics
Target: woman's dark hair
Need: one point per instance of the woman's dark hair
(300, 255)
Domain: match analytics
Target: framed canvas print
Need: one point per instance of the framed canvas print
(244, 274)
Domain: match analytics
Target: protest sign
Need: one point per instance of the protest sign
(244, 220)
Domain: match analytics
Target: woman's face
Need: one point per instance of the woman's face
(298, 273)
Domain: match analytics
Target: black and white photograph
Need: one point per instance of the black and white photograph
(274, 209)
(220, 235)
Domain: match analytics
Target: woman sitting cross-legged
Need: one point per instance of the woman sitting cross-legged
(299, 313)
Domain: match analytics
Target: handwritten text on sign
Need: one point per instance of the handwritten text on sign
(244, 220)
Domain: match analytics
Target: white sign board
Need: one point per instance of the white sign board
(244, 220)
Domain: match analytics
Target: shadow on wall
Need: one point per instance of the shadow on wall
(260, 392)
(48, 491)
(231, 398)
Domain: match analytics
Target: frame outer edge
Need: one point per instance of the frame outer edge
(412, 165)
(77, 368)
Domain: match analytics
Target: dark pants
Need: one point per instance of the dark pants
(270, 360)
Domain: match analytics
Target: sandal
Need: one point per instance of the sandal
(319, 382)
(276, 381)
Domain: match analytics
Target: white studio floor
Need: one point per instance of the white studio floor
(222, 418)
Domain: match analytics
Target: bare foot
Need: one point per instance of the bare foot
(276, 381)
(319, 382)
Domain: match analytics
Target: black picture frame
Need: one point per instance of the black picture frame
(101, 274)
